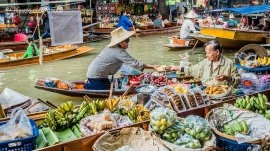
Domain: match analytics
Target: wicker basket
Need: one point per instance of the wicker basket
(228, 142)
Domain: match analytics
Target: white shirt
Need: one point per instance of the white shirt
(187, 26)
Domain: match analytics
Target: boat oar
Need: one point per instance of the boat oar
(111, 88)
(195, 45)
(87, 98)
(135, 31)
(48, 103)
(2, 112)
(127, 90)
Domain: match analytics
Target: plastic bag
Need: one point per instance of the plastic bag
(188, 141)
(198, 128)
(127, 70)
(173, 133)
(18, 126)
(161, 119)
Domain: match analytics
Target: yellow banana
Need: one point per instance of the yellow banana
(268, 61)
(264, 61)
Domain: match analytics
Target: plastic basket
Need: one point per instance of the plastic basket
(230, 145)
(254, 85)
(24, 144)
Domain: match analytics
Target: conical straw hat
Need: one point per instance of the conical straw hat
(191, 14)
(118, 35)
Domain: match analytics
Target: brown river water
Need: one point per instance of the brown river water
(147, 49)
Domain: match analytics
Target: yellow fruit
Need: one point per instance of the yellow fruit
(158, 123)
(162, 127)
(163, 121)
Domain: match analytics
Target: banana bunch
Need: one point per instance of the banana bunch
(97, 106)
(138, 113)
(265, 61)
(111, 104)
(61, 117)
(255, 104)
(240, 127)
(267, 114)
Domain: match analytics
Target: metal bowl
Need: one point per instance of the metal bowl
(146, 89)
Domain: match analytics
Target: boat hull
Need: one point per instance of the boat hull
(145, 30)
(46, 58)
(81, 92)
(231, 38)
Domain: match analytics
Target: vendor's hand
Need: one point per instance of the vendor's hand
(223, 77)
(173, 68)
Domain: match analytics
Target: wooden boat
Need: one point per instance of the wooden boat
(16, 46)
(59, 52)
(145, 30)
(80, 91)
(176, 43)
(231, 38)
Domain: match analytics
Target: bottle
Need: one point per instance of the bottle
(124, 82)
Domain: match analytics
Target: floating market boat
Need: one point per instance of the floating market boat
(231, 38)
(16, 46)
(235, 38)
(52, 54)
(79, 91)
(145, 30)
(177, 44)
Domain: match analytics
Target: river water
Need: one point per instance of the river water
(147, 49)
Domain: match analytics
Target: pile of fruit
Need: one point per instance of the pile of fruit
(240, 127)
(216, 89)
(179, 89)
(265, 61)
(256, 104)
(192, 132)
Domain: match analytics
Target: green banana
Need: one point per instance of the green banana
(265, 98)
(239, 128)
(245, 127)
(248, 107)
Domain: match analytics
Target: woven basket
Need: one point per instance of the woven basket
(217, 132)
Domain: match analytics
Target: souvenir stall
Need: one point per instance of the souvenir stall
(8, 25)
(140, 13)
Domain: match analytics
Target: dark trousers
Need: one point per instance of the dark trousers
(97, 84)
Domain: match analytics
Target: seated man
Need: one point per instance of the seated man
(32, 49)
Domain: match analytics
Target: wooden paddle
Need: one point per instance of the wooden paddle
(2, 112)
(127, 90)
(48, 103)
(111, 88)
(195, 45)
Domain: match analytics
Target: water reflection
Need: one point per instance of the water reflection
(147, 49)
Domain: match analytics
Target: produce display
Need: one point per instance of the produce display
(238, 126)
(188, 141)
(256, 104)
(174, 132)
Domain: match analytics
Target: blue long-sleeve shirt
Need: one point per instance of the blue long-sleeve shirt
(125, 23)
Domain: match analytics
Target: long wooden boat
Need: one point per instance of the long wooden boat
(179, 44)
(145, 30)
(16, 46)
(40, 84)
(231, 38)
(62, 52)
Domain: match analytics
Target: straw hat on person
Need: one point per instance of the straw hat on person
(118, 35)
(191, 15)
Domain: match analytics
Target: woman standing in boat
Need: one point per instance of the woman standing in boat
(111, 58)
(188, 25)
(215, 69)
(32, 49)
(124, 21)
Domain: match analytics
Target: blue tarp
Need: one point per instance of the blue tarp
(247, 9)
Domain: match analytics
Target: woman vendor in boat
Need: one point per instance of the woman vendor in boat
(124, 21)
(188, 25)
(111, 58)
(243, 24)
(31, 50)
(215, 69)
(158, 22)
